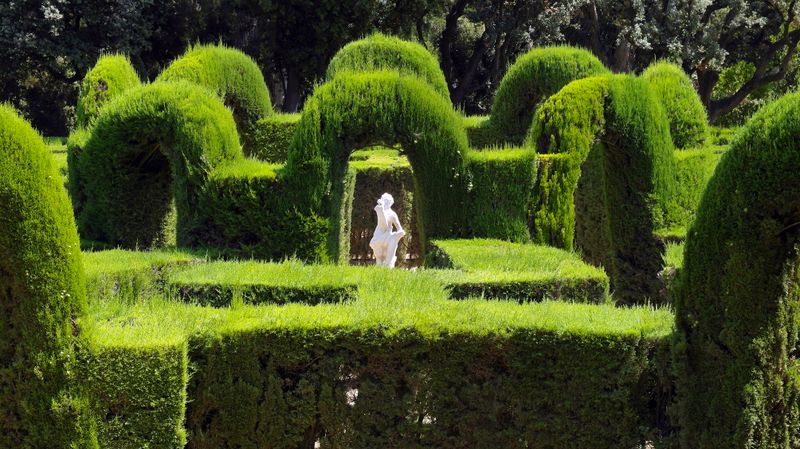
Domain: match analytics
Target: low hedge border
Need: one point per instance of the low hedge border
(271, 137)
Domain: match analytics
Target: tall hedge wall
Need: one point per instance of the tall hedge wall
(110, 76)
(353, 111)
(736, 299)
(42, 296)
(232, 75)
(688, 121)
(532, 78)
(609, 195)
(381, 52)
(153, 144)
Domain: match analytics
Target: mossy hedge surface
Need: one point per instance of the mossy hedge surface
(354, 111)
(688, 120)
(110, 76)
(42, 297)
(271, 137)
(610, 192)
(736, 299)
(532, 78)
(381, 52)
(156, 143)
(232, 75)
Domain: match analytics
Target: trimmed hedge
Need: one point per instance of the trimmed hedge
(480, 132)
(245, 214)
(271, 137)
(380, 52)
(42, 296)
(400, 109)
(688, 121)
(736, 299)
(532, 78)
(500, 199)
(693, 170)
(612, 189)
(220, 284)
(232, 75)
(496, 269)
(153, 144)
(110, 76)
(138, 393)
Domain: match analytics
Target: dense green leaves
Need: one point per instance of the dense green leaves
(688, 122)
(111, 76)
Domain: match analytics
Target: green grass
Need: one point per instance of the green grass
(377, 157)
(673, 255)
(247, 168)
(119, 260)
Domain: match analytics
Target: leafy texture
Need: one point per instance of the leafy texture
(736, 299)
(111, 76)
(688, 122)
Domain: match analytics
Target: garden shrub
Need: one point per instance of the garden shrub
(138, 393)
(610, 191)
(153, 144)
(245, 215)
(272, 136)
(111, 75)
(532, 78)
(736, 300)
(481, 133)
(354, 111)
(503, 181)
(42, 297)
(380, 52)
(232, 75)
(496, 269)
(688, 121)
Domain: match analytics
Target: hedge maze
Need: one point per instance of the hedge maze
(231, 307)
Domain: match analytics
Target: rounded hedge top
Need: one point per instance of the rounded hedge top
(736, 298)
(112, 75)
(531, 79)
(43, 291)
(233, 75)
(381, 52)
(688, 121)
(355, 110)
(154, 140)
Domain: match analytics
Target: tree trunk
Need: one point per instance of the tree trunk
(291, 97)
(446, 42)
(472, 68)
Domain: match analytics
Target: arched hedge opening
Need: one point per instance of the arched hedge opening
(688, 121)
(354, 111)
(110, 76)
(381, 52)
(611, 175)
(232, 75)
(154, 144)
(532, 78)
(737, 295)
(42, 295)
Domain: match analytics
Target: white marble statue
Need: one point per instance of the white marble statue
(385, 240)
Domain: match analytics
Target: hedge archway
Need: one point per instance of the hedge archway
(737, 296)
(42, 293)
(610, 139)
(381, 52)
(353, 111)
(232, 75)
(532, 78)
(110, 76)
(688, 121)
(153, 144)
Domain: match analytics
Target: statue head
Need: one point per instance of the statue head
(387, 200)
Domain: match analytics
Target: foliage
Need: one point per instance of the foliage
(111, 76)
(271, 137)
(693, 170)
(232, 75)
(402, 110)
(605, 204)
(381, 52)
(736, 300)
(502, 192)
(531, 80)
(497, 269)
(153, 144)
(688, 122)
(42, 297)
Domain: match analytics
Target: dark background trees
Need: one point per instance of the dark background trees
(740, 52)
